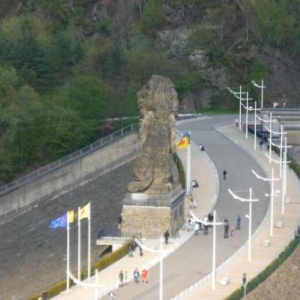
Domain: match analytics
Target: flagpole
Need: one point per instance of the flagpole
(79, 247)
(89, 244)
(188, 170)
(68, 256)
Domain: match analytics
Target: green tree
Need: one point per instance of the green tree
(153, 18)
(87, 95)
(277, 20)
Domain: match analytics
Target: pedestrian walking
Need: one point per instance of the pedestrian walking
(238, 223)
(120, 220)
(205, 225)
(145, 275)
(141, 251)
(224, 174)
(125, 277)
(261, 142)
(111, 295)
(196, 228)
(167, 235)
(210, 218)
(121, 278)
(231, 231)
(130, 250)
(136, 275)
(195, 201)
(226, 229)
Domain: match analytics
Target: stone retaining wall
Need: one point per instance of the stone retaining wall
(74, 174)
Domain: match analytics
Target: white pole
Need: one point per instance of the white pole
(161, 271)
(284, 183)
(214, 254)
(214, 247)
(247, 117)
(250, 200)
(280, 153)
(262, 94)
(89, 246)
(255, 125)
(68, 255)
(79, 247)
(286, 165)
(188, 171)
(96, 273)
(240, 116)
(270, 139)
(272, 203)
(250, 224)
(285, 159)
(160, 251)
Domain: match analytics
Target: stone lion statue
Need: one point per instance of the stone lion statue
(154, 170)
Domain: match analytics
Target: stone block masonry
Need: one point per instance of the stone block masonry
(149, 216)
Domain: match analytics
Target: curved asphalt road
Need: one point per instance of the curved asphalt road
(192, 261)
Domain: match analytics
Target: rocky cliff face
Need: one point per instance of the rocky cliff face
(234, 38)
(240, 44)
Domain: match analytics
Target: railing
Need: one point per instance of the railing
(67, 159)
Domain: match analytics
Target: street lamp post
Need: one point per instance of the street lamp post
(247, 108)
(272, 179)
(247, 101)
(281, 133)
(255, 109)
(282, 164)
(270, 138)
(270, 135)
(240, 98)
(284, 179)
(161, 271)
(214, 224)
(160, 251)
(250, 200)
(262, 87)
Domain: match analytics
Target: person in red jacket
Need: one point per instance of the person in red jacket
(144, 275)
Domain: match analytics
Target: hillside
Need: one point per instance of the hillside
(66, 66)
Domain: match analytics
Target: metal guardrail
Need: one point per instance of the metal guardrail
(76, 155)
(67, 159)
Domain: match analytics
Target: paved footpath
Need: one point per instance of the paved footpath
(203, 169)
(261, 256)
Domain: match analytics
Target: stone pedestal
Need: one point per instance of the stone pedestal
(149, 216)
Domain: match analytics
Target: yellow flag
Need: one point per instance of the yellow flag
(71, 216)
(183, 143)
(85, 212)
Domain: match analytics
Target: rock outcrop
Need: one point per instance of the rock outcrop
(154, 170)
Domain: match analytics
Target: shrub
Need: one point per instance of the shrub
(99, 265)
(180, 170)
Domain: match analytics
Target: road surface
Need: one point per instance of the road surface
(193, 260)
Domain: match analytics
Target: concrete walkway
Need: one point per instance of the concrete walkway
(203, 169)
(262, 255)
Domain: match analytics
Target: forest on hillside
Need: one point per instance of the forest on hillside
(68, 66)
